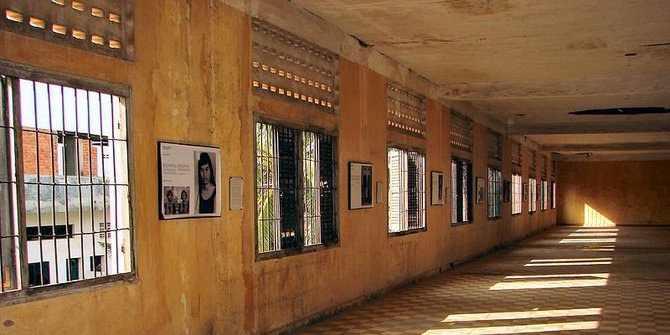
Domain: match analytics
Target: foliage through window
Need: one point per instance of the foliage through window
(63, 192)
(461, 190)
(406, 190)
(494, 193)
(295, 188)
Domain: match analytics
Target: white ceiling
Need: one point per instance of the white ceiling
(529, 63)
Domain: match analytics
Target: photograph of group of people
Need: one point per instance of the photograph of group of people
(189, 181)
(176, 205)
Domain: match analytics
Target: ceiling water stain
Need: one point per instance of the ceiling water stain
(588, 44)
(479, 7)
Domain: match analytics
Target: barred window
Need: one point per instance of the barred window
(288, 67)
(461, 190)
(532, 195)
(69, 143)
(406, 190)
(405, 111)
(100, 26)
(461, 132)
(553, 194)
(544, 195)
(517, 191)
(494, 193)
(296, 188)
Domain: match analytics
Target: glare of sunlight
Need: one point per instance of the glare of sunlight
(601, 230)
(521, 329)
(604, 248)
(593, 234)
(551, 260)
(540, 284)
(570, 261)
(576, 275)
(588, 240)
(592, 218)
(523, 315)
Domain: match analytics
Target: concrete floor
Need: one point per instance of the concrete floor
(568, 280)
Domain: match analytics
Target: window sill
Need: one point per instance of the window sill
(463, 223)
(62, 289)
(494, 219)
(407, 232)
(293, 252)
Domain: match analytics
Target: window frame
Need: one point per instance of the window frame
(544, 203)
(532, 195)
(553, 194)
(26, 293)
(407, 150)
(517, 197)
(467, 188)
(496, 202)
(301, 128)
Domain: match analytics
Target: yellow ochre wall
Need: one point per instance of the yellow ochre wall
(620, 193)
(190, 83)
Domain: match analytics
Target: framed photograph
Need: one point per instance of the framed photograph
(360, 185)
(507, 188)
(481, 190)
(525, 192)
(436, 188)
(188, 177)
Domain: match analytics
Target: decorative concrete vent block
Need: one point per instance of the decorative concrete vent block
(495, 146)
(461, 132)
(516, 157)
(100, 26)
(405, 111)
(288, 67)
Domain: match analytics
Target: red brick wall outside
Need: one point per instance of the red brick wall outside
(48, 154)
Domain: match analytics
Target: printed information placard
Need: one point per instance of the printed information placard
(189, 181)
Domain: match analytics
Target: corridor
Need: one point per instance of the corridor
(568, 280)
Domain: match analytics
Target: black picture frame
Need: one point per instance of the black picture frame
(360, 185)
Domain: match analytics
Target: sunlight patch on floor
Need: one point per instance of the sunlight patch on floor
(593, 234)
(576, 275)
(523, 315)
(543, 284)
(521, 329)
(588, 240)
(598, 230)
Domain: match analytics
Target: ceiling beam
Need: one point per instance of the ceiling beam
(615, 157)
(606, 147)
(589, 128)
(630, 85)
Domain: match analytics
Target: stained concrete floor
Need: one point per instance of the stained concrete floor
(568, 280)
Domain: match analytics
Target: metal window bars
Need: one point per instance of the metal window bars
(62, 213)
(295, 188)
(494, 193)
(407, 190)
